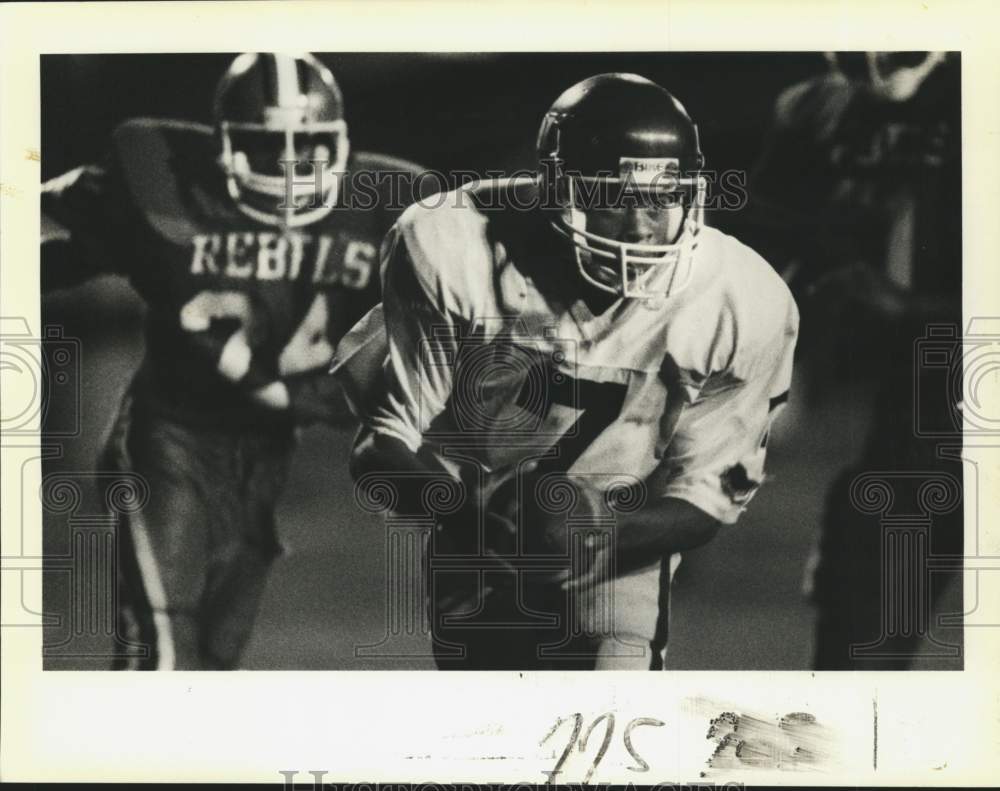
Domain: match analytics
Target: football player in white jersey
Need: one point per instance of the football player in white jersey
(593, 368)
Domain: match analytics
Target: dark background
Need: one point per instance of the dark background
(738, 602)
(443, 111)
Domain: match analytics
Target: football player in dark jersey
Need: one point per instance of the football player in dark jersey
(863, 172)
(255, 247)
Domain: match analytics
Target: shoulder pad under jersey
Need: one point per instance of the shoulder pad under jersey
(160, 161)
(448, 246)
(756, 303)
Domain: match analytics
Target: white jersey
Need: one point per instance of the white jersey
(482, 348)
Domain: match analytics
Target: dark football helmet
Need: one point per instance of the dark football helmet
(625, 132)
(275, 108)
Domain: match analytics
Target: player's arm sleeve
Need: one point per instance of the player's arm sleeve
(421, 342)
(715, 458)
(84, 226)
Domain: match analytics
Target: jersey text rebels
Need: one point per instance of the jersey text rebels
(266, 255)
(235, 305)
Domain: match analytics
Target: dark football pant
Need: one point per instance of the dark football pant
(623, 623)
(851, 584)
(193, 563)
(868, 609)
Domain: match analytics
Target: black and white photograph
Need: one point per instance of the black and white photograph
(506, 361)
(347, 351)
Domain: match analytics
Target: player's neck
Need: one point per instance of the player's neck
(597, 300)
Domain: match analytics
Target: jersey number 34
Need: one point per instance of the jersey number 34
(308, 349)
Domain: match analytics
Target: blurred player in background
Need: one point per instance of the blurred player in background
(860, 186)
(255, 247)
(572, 348)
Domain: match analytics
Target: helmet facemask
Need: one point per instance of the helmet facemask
(639, 270)
(258, 182)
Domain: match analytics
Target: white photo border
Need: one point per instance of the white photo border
(932, 728)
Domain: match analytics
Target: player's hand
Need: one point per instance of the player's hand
(598, 564)
(526, 512)
(547, 509)
(492, 494)
(273, 396)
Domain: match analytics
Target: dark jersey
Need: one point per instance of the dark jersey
(858, 177)
(234, 305)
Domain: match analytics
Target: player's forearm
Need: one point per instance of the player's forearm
(374, 452)
(387, 459)
(665, 526)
